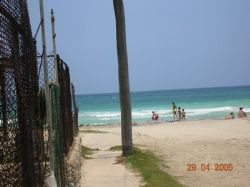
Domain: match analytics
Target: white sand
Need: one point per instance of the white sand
(181, 143)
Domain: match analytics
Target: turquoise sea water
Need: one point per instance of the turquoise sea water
(200, 103)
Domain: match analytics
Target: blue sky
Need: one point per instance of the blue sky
(172, 44)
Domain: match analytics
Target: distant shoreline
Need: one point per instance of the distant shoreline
(159, 122)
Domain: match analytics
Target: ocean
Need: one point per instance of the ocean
(199, 103)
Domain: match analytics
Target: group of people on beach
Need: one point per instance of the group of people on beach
(241, 114)
(180, 114)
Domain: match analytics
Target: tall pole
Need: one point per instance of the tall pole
(125, 103)
(52, 18)
(47, 92)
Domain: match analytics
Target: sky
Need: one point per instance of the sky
(172, 44)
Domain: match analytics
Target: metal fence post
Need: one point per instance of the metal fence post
(47, 92)
(52, 18)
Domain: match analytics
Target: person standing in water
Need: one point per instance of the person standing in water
(174, 107)
(179, 113)
(183, 114)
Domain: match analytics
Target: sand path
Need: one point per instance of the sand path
(102, 170)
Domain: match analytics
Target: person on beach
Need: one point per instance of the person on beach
(155, 116)
(241, 113)
(183, 114)
(174, 110)
(179, 113)
(230, 116)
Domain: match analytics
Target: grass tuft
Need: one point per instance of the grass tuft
(148, 166)
(92, 131)
(87, 152)
(116, 148)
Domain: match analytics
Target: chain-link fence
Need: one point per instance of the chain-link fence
(21, 133)
(23, 126)
(66, 104)
(75, 111)
(58, 141)
(64, 112)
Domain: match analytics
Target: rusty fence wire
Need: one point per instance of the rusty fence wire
(21, 134)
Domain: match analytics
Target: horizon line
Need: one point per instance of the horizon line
(171, 89)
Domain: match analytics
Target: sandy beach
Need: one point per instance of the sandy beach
(211, 143)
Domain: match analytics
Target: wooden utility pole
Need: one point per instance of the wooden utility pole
(125, 103)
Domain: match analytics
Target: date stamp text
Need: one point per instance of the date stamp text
(210, 167)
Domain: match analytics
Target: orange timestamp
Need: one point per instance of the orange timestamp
(210, 167)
